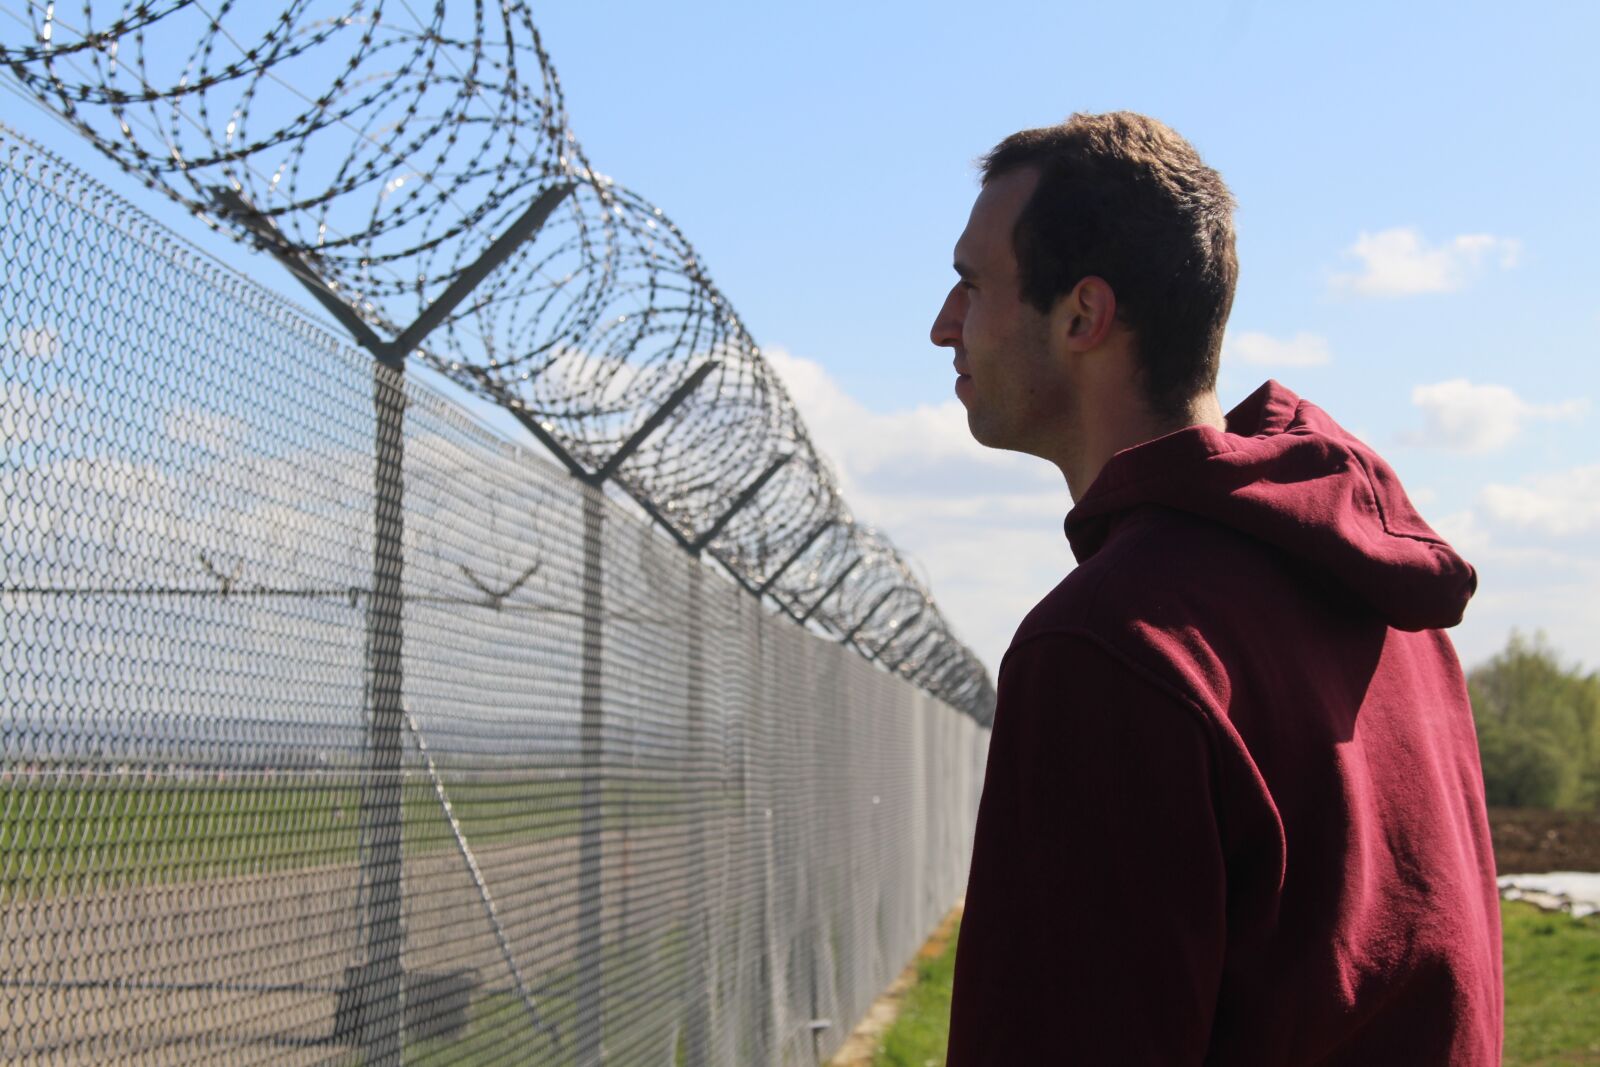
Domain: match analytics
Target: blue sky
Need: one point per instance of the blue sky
(1416, 232)
(1414, 185)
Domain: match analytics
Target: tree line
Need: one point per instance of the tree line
(1538, 725)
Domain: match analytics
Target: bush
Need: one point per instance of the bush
(1538, 727)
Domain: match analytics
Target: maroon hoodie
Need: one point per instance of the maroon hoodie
(1233, 811)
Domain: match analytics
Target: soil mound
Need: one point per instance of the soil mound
(1532, 840)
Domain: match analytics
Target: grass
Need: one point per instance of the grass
(70, 834)
(62, 836)
(1552, 965)
(921, 1030)
(1552, 972)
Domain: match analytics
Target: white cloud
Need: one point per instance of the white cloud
(22, 413)
(1559, 504)
(1461, 416)
(35, 342)
(985, 525)
(1301, 350)
(1461, 530)
(211, 431)
(877, 437)
(1525, 586)
(916, 458)
(1398, 262)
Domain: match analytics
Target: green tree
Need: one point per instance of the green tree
(1538, 727)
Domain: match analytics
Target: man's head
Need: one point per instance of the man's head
(1099, 252)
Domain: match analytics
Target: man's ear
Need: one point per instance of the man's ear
(1085, 317)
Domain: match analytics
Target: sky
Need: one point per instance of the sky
(1416, 234)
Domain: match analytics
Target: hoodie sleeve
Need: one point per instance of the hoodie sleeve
(1094, 926)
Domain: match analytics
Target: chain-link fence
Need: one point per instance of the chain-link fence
(412, 165)
(338, 729)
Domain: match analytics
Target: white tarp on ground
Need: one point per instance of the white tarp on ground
(1576, 892)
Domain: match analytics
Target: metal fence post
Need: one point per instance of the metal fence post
(697, 1025)
(378, 989)
(591, 745)
(371, 1006)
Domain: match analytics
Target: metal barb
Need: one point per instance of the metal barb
(740, 501)
(390, 213)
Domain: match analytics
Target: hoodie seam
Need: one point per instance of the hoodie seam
(1377, 503)
(1172, 687)
(1090, 597)
(1134, 483)
(1355, 456)
(1116, 499)
(1175, 689)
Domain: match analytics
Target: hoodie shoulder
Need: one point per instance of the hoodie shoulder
(1286, 475)
(1164, 568)
(1186, 600)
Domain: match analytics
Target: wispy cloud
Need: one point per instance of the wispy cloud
(34, 342)
(1263, 350)
(1560, 504)
(1523, 584)
(985, 525)
(1399, 262)
(1463, 416)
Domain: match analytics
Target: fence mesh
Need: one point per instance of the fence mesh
(399, 157)
(339, 729)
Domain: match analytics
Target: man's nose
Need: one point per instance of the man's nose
(946, 332)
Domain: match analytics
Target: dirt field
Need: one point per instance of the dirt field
(1529, 840)
(246, 970)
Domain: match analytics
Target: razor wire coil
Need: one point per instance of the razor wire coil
(386, 144)
(201, 854)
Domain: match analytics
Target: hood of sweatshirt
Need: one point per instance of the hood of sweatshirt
(1285, 473)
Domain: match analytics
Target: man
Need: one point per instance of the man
(1233, 811)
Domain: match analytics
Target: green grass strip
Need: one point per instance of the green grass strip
(1552, 971)
(1552, 966)
(922, 1029)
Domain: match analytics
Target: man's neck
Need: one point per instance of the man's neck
(1113, 428)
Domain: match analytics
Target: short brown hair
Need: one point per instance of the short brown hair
(1124, 197)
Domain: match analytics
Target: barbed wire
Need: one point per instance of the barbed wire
(386, 146)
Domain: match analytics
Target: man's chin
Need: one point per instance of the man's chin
(963, 389)
(990, 436)
(981, 432)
